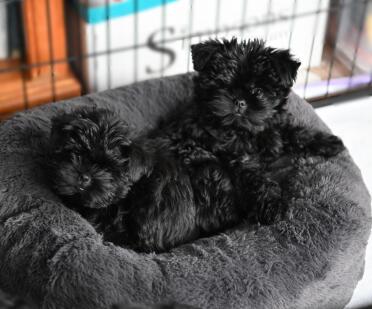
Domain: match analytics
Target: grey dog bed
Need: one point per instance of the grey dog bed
(48, 253)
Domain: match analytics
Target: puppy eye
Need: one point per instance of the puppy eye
(125, 149)
(75, 158)
(58, 150)
(73, 151)
(248, 87)
(116, 150)
(257, 91)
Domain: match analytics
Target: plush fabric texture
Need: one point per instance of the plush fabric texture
(48, 253)
(11, 302)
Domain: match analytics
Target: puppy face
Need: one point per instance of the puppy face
(242, 84)
(89, 161)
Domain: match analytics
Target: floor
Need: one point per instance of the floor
(352, 121)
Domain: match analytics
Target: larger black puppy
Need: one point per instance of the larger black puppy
(242, 91)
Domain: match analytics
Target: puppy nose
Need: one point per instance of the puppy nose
(84, 181)
(241, 105)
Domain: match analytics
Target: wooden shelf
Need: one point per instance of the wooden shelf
(38, 91)
(45, 42)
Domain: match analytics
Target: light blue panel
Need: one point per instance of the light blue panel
(94, 15)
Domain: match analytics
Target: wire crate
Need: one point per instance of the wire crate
(54, 50)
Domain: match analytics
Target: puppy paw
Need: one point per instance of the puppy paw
(267, 201)
(270, 212)
(326, 145)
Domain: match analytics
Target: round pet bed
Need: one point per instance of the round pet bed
(50, 254)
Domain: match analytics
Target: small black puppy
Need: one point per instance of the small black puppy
(86, 162)
(241, 91)
(149, 194)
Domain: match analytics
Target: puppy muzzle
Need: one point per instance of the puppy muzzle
(84, 182)
(240, 106)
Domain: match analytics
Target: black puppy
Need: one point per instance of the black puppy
(145, 193)
(86, 161)
(241, 90)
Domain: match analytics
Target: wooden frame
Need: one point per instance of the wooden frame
(46, 75)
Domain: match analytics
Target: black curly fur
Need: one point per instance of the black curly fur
(201, 172)
(242, 90)
(161, 191)
(87, 153)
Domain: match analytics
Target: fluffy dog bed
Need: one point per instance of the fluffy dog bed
(48, 253)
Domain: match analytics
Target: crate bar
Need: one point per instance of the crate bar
(217, 18)
(356, 49)
(268, 14)
(24, 88)
(163, 25)
(136, 46)
(340, 8)
(51, 51)
(191, 17)
(341, 97)
(108, 42)
(94, 56)
(312, 48)
(293, 17)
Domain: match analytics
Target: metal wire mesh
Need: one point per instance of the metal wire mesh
(113, 49)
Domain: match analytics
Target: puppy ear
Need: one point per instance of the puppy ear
(202, 53)
(286, 67)
(58, 125)
(125, 149)
(139, 162)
